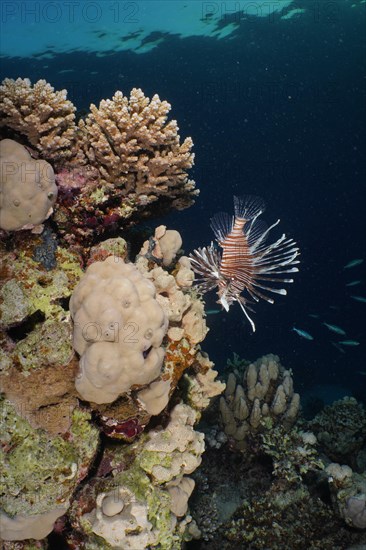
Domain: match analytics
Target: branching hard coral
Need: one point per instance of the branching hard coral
(134, 148)
(265, 398)
(45, 117)
(122, 162)
(27, 188)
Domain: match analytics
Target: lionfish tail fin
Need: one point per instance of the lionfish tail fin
(248, 207)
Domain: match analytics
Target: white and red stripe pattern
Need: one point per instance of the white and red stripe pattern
(246, 264)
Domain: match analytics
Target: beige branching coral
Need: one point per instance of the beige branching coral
(45, 116)
(123, 161)
(133, 147)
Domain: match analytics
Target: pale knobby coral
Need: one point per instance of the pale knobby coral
(263, 399)
(348, 492)
(118, 330)
(27, 188)
(145, 505)
(163, 246)
(202, 385)
(176, 450)
(45, 116)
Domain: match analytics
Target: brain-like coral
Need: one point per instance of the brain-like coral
(27, 188)
(118, 330)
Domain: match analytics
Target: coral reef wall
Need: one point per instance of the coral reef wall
(97, 442)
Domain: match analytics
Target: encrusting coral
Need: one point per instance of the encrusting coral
(122, 162)
(40, 472)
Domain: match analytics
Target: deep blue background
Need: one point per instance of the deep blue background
(276, 111)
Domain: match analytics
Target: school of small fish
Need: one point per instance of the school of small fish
(341, 344)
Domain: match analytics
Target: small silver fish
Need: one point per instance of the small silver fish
(303, 333)
(339, 348)
(349, 343)
(313, 315)
(213, 311)
(353, 263)
(359, 299)
(353, 283)
(336, 329)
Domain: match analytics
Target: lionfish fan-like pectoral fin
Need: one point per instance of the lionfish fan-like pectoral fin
(242, 304)
(205, 262)
(253, 230)
(222, 225)
(248, 207)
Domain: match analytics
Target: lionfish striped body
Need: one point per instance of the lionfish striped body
(246, 263)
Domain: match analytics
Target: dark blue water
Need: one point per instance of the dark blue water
(277, 110)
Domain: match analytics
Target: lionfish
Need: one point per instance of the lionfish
(245, 264)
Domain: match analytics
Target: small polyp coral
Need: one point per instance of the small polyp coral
(45, 117)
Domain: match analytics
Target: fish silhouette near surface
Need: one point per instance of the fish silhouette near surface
(246, 263)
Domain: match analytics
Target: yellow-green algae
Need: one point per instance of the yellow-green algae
(40, 471)
(32, 288)
(48, 344)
